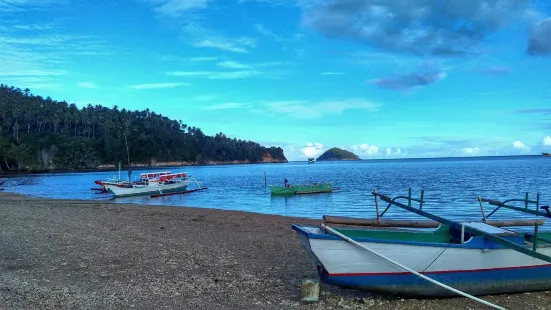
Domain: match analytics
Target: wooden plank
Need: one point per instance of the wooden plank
(419, 223)
(472, 230)
(381, 223)
(496, 231)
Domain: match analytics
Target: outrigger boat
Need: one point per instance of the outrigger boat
(314, 188)
(460, 257)
(148, 185)
(118, 181)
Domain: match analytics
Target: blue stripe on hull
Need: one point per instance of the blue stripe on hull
(472, 282)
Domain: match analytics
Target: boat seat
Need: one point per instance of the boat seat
(489, 229)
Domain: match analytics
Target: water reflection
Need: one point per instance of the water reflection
(451, 186)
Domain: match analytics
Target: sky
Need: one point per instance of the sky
(384, 79)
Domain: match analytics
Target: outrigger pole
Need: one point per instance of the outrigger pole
(464, 227)
(526, 201)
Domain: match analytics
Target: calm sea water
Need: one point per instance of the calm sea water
(451, 186)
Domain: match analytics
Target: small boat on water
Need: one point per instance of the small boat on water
(148, 185)
(118, 181)
(310, 160)
(471, 257)
(314, 188)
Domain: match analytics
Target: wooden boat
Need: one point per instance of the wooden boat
(314, 188)
(475, 258)
(175, 182)
(118, 181)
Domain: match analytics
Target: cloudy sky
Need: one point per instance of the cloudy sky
(385, 79)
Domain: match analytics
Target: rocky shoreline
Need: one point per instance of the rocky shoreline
(96, 255)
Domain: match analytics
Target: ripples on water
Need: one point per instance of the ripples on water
(451, 186)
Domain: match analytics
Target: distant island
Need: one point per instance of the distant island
(337, 154)
(41, 134)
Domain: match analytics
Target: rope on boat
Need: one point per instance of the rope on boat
(410, 270)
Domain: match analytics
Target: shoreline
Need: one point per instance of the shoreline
(136, 167)
(97, 254)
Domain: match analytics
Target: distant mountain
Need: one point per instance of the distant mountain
(337, 154)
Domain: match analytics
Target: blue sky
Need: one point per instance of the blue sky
(384, 79)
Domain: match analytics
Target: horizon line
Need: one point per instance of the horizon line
(444, 157)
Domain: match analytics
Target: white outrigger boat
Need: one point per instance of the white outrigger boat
(465, 258)
(119, 181)
(151, 183)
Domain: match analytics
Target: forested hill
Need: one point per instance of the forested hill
(337, 154)
(43, 134)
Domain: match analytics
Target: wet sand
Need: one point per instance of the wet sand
(93, 255)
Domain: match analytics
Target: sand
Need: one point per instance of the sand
(89, 255)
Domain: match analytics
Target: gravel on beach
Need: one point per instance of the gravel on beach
(95, 255)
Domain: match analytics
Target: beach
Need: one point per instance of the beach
(71, 254)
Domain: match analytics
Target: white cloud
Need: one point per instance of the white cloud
(232, 65)
(309, 110)
(177, 7)
(471, 151)
(37, 58)
(519, 145)
(87, 85)
(365, 149)
(216, 75)
(203, 58)
(267, 32)
(8, 6)
(226, 46)
(547, 141)
(157, 85)
(312, 150)
(225, 106)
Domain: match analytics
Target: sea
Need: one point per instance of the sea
(451, 186)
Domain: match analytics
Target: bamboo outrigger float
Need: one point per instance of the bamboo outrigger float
(466, 258)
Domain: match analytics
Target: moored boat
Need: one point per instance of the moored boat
(477, 258)
(118, 181)
(314, 188)
(167, 183)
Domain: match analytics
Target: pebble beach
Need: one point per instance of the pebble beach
(71, 254)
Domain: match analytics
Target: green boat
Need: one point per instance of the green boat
(301, 189)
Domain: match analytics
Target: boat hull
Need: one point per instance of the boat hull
(477, 267)
(301, 189)
(152, 188)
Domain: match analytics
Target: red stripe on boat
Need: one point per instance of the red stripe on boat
(431, 272)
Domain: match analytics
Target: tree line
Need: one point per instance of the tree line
(40, 134)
